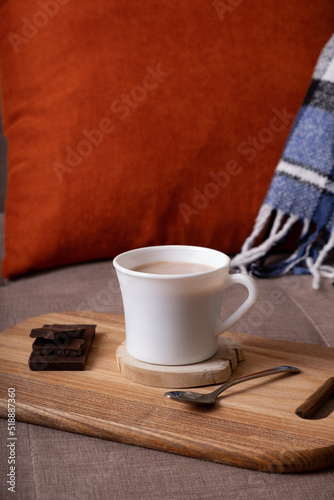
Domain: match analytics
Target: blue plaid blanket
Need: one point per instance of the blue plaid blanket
(301, 193)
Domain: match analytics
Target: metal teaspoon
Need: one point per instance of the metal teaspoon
(197, 398)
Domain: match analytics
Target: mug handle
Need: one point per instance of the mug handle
(251, 286)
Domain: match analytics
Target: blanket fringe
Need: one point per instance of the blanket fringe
(303, 257)
(316, 268)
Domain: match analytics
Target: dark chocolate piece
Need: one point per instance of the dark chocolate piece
(75, 331)
(59, 331)
(69, 347)
(56, 326)
(39, 362)
(56, 333)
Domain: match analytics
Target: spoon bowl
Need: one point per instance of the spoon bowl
(198, 398)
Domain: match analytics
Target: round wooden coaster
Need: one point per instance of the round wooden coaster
(215, 370)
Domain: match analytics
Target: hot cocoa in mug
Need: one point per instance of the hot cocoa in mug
(169, 267)
(172, 298)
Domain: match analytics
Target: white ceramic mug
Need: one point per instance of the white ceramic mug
(174, 319)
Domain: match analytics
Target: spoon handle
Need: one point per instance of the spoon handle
(263, 373)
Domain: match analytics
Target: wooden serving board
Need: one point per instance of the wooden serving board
(253, 425)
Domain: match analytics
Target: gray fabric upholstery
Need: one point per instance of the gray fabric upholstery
(56, 465)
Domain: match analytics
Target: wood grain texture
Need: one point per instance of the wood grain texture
(253, 425)
(215, 370)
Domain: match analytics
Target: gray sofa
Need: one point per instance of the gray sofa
(56, 465)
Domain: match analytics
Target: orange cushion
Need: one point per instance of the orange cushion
(146, 122)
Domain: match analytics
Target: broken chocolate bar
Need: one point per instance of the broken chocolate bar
(59, 331)
(64, 361)
(71, 347)
(71, 328)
